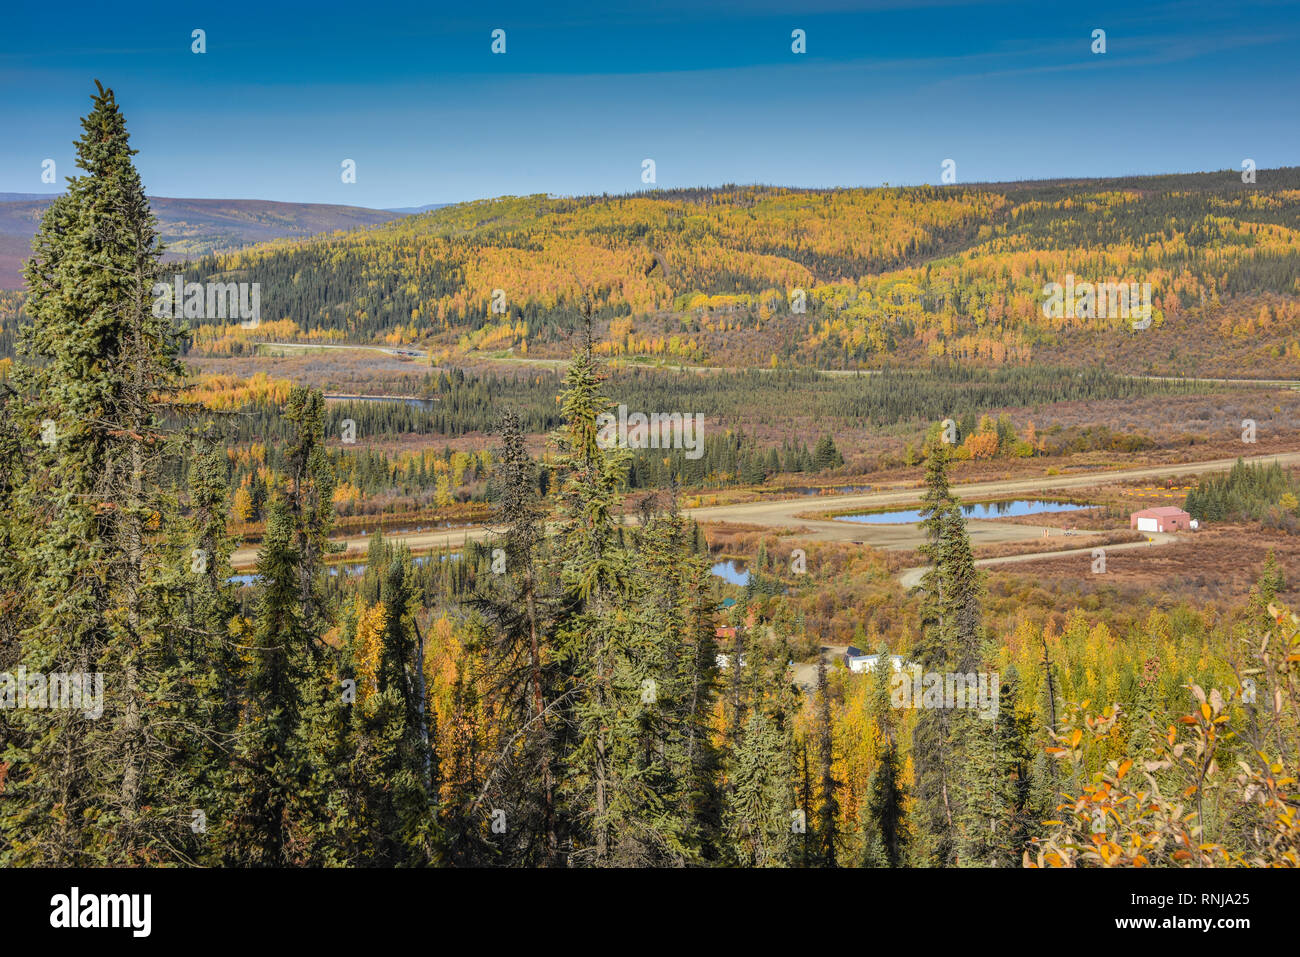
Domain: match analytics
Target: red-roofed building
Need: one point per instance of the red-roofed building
(1164, 518)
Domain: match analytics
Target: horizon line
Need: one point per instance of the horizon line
(1033, 181)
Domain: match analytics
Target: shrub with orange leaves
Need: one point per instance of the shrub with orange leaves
(981, 445)
(1152, 810)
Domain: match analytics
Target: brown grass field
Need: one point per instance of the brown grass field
(1218, 564)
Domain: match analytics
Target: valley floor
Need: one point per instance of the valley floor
(809, 520)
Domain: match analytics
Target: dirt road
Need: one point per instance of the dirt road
(805, 672)
(911, 577)
(414, 353)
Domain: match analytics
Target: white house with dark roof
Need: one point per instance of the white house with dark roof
(859, 661)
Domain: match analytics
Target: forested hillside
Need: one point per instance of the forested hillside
(834, 278)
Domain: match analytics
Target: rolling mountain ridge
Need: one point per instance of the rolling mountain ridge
(189, 227)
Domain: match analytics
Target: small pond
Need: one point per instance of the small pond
(733, 572)
(1016, 508)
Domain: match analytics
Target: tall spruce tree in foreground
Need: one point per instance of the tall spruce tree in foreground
(930, 744)
(952, 643)
(885, 825)
(698, 683)
(672, 598)
(201, 646)
(635, 644)
(275, 807)
(593, 635)
(672, 688)
(760, 798)
(522, 676)
(984, 781)
(640, 698)
(268, 773)
(1044, 781)
(829, 809)
(95, 367)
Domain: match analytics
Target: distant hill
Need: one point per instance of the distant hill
(833, 278)
(190, 227)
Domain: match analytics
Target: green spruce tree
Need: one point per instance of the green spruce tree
(97, 368)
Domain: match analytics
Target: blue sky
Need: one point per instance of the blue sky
(585, 91)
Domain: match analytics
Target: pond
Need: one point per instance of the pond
(1016, 508)
(733, 572)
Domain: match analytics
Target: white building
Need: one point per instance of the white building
(859, 661)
